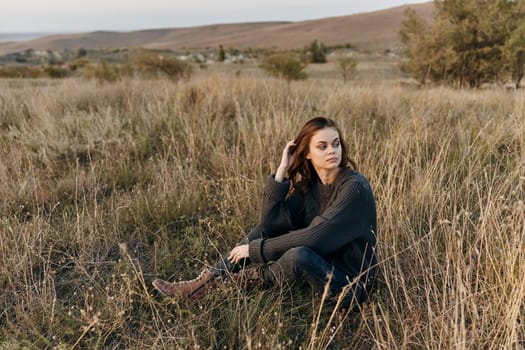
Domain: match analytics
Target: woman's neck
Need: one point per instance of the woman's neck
(327, 177)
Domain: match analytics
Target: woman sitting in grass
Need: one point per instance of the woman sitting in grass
(317, 225)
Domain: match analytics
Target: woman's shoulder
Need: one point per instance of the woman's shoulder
(346, 174)
(349, 175)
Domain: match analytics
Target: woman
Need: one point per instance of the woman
(321, 231)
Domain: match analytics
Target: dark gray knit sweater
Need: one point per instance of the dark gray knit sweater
(338, 221)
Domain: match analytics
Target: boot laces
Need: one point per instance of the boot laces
(196, 279)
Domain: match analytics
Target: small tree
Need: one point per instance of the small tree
(414, 34)
(317, 52)
(285, 65)
(515, 55)
(466, 43)
(81, 52)
(347, 66)
(221, 55)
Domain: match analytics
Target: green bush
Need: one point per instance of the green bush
(151, 64)
(78, 63)
(56, 72)
(221, 55)
(285, 65)
(105, 72)
(317, 52)
(81, 52)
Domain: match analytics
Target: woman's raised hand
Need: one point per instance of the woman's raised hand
(286, 161)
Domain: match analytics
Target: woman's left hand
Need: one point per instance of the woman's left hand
(238, 253)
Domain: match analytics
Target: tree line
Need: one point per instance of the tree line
(470, 42)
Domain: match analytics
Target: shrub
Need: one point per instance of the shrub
(347, 66)
(21, 72)
(152, 64)
(105, 72)
(78, 63)
(284, 64)
(81, 52)
(56, 72)
(317, 52)
(221, 55)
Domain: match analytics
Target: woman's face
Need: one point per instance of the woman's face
(324, 150)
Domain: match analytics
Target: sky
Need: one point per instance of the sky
(27, 16)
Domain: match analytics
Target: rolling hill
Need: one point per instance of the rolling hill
(374, 31)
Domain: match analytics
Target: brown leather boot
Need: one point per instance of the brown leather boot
(249, 278)
(195, 288)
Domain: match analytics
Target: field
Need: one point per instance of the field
(104, 187)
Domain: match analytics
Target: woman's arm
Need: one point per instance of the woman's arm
(280, 212)
(286, 161)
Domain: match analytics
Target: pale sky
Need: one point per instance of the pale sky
(124, 15)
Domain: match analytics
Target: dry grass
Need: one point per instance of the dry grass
(104, 187)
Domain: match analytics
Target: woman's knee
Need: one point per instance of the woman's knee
(299, 255)
(294, 263)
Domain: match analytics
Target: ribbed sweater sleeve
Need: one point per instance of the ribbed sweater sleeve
(279, 212)
(338, 225)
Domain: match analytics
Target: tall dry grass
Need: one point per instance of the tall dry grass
(105, 187)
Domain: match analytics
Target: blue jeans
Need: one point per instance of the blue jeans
(303, 263)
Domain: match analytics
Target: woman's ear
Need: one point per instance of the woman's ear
(308, 156)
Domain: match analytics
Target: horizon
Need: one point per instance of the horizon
(61, 17)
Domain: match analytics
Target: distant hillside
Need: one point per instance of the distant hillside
(5, 37)
(372, 31)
